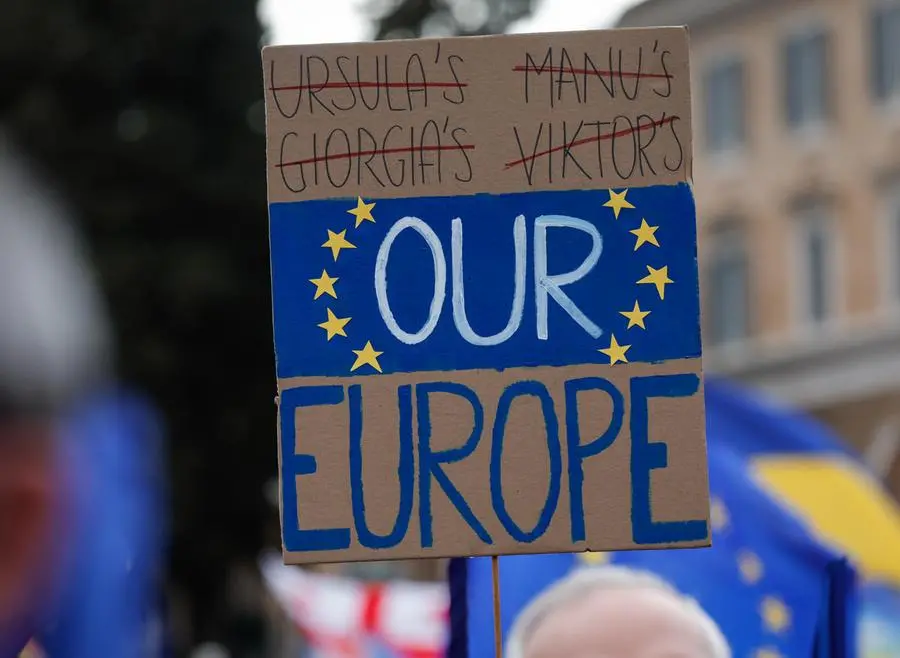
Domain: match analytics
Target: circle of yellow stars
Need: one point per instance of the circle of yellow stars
(645, 234)
(325, 287)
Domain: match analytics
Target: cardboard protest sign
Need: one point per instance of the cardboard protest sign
(485, 296)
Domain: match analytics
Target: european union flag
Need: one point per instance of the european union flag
(110, 562)
(390, 284)
(772, 586)
(805, 467)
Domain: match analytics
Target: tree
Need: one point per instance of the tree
(403, 19)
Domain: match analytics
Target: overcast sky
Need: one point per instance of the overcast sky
(292, 22)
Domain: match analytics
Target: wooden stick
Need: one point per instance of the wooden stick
(498, 629)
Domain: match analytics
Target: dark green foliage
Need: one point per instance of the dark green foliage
(402, 19)
(149, 115)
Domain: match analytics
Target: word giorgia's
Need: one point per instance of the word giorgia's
(395, 157)
(421, 466)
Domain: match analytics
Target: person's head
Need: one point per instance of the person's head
(53, 345)
(614, 612)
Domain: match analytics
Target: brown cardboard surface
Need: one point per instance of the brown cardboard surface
(678, 492)
(601, 110)
(476, 111)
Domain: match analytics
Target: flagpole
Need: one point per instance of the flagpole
(498, 630)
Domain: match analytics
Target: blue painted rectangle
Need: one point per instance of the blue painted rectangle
(299, 231)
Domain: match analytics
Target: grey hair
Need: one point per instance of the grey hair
(587, 580)
(54, 333)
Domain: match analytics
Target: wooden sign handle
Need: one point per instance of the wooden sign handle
(498, 629)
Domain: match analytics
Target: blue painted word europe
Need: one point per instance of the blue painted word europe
(566, 449)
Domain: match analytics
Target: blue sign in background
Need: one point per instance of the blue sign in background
(299, 230)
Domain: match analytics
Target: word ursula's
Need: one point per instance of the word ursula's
(383, 82)
(421, 466)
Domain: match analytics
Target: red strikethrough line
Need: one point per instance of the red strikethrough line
(556, 69)
(359, 154)
(363, 84)
(590, 140)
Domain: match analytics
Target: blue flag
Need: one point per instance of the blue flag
(801, 464)
(772, 586)
(107, 597)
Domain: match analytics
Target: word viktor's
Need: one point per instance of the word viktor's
(345, 83)
(399, 156)
(563, 77)
(584, 149)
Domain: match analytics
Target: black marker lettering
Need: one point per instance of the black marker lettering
(459, 86)
(346, 153)
(311, 92)
(528, 162)
(618, 134)
(283, 168)
(416, 86)
(275, 92)
(377, 85)
(566, 78)
(349, 87)
(665, 68)
(567, 151)
(636, 75)
(532, 67)
(371, 150)
(387, 89)
(464, 154)
(590, 70)
(678, 164)
(645, 135)
(384, 158)
(424, 161)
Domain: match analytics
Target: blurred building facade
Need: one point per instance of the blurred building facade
(797, 181)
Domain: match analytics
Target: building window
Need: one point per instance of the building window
(728, 285)
(724, 106)
(815, 259)
(805, 76)
(885, 44)
(892, 247)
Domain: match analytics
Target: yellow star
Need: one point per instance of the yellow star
(767, 652)
(617, 202)
(658, 278)
(334, 325)
(324, 285)
(337, 241)
(776, 615)
(718, 514)
(750, 566)
(635, 317)
(645, 234)
(595, 557)
(615, 352)
(362, 212)
(366, 356)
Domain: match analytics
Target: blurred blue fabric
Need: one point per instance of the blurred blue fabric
(112, 565)
(773, 587)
